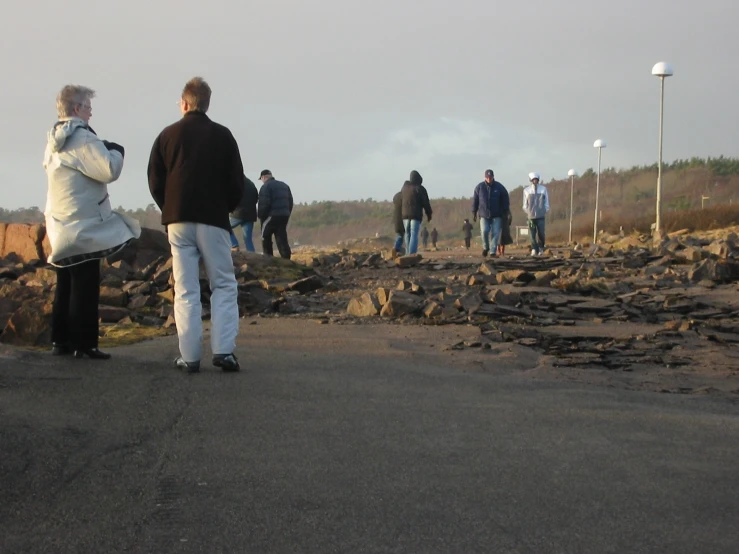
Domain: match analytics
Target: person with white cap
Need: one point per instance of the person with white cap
(536, 206)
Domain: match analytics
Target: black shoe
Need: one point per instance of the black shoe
(484, 253)
(60, 349)
(191, 367)
(227, 362)
(92, 353)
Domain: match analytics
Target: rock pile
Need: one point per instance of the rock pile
(137, 288)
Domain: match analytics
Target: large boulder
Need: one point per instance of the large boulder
(26, 240)
(30, 325)
(364, 305)
(714, 270)
(401, 303)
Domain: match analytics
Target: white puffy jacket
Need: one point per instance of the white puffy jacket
(79, 218)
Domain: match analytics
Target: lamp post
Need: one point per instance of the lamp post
(661, 70)
(600, 144)
(571, 173)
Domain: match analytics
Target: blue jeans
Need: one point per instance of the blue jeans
(247, 227)
(412, 227)
(536, 234)
(398, 242)
(491, 226)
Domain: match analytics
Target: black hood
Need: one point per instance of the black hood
(416, 178)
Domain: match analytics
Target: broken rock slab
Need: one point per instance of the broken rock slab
(401, 303)
(409, 260)
(365, 305)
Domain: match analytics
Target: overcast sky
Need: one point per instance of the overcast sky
(342, 98)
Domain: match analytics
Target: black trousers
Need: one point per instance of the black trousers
(467, 241)
(74, 317)
(276, 226)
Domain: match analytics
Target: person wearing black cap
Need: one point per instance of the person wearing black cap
(491, 202)
(415, 201)
(274, 209)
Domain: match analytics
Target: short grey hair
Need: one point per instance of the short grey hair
(70, 97)
(197, 94)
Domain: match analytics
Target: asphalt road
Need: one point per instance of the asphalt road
(353, 440)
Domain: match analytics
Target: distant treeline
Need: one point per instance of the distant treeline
(706, 191)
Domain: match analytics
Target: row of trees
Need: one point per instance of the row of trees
(626, 200)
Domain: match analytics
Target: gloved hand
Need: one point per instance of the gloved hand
(429, 218)
(474, 218)
(115, 146)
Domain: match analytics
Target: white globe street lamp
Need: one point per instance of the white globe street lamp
(661, 70)
(571, 173)
(600, 145)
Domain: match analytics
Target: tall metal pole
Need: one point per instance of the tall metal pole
(597, 192)
(572, 190)
(658, 222)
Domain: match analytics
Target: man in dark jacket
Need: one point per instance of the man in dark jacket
(275, 207)
(196, 178)
(434, 237)
(245, 215)
(490, 201)
(425, 237)
(467, 230)
(398, 221)
(415, 201)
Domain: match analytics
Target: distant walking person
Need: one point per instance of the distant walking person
(491, 202)
(275, 207)
(245, 215)
(434, 237)
(505, 233)
(196, 178)
(425, 237)
(536, 206)
(415, 203)
(398, 221)
(80, 224)
(467, 230)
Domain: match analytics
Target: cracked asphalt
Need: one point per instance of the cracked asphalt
(354, 439)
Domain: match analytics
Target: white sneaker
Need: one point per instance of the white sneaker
(533, 252)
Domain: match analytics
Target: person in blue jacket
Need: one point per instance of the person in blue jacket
(491, 203)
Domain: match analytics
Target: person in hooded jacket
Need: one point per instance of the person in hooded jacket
(245, 215)
(415, 201)
(80, 224)
(491, 202)
(536, 206)
(398, 221)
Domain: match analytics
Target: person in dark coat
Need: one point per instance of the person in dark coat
(245, 215)
(505, 234)
(415, 202)
(434, 237)
(196, 178)
(425, 237)
(275, 207)
(491, 202)
(398, 221)
(467, 230)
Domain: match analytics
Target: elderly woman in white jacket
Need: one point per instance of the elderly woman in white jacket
(80, 224)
